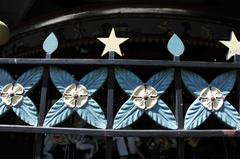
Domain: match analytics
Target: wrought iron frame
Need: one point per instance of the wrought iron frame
(109, 133)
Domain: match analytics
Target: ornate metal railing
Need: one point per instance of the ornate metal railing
(144, 96)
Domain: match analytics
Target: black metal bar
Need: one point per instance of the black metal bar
(43, 99)
(178, 96)
(237, 60)
(115, 133)
(179, 109)
(120, 62)
(39, 138)
(110, 94)
(110, 100)
(237, 90)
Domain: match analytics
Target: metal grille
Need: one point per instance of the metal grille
(109, 133)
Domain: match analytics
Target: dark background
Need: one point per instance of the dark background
(14, 13)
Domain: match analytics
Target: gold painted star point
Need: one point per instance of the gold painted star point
(112, 43)
(234, 46)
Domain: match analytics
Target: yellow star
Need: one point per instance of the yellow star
(112, 43)
(234, 46)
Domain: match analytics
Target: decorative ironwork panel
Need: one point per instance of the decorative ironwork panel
(77, 97)
(144, 97)
(210, 99)
(14, 94)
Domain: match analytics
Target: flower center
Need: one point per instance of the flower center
(75, 96)
(211, 98)
(144, 97)
(12, 94)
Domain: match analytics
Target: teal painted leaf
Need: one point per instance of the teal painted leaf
(193, 82)
(175, 45)
(196, 115)
(229, 115)
(163, 115)
(3, 108)
(224, 82)
(29, 78)
(161, 80)
(61, 78)
(127, 80)
(94, 80)
(27, 111)
(50, 44)
(93, 114)
(5, 78)
(127, 114)
(57, 114)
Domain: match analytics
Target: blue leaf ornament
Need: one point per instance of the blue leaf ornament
(161, 80)
(163, 115)
(93, 114)
(127, 80)
(57, 114)
(127, 114)
(193, 82)
(94, 80)
(30, 78)
(3, 108)
(5, 78)
(61, 78)
(196, 115)
(225, 82)
(27, 111)
(229, 115)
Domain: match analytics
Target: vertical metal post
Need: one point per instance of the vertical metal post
(110, 96)
(237, 60)
(39, 138)
(179, 110)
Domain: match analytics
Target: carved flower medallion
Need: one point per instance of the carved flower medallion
(145, 97)
(12, 94)
(75, 96)
(211, 98)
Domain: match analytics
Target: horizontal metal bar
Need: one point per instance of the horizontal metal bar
(111, 132)
(120, 62)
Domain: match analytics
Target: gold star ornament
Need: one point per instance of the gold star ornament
(234, 46)
(112, 43)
